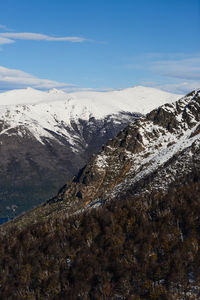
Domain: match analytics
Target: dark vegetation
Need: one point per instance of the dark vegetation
(144, 247)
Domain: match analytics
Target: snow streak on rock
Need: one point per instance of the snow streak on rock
(149, 155)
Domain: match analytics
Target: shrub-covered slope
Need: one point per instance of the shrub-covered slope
(132, 248)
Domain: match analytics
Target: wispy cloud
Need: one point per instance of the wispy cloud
(3, 27)
(40, 37)
(174, 65)
(177, 87)
(4, 40)
(186, 68)
(12, 37)
(13, 79)
(180, 72)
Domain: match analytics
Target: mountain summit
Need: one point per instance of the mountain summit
(48, 136)
(151, 154)
(133, 99)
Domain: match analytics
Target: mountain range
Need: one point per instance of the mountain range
(153, 154)
(129, 219)
(46, 137)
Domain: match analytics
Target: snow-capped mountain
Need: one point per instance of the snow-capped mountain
(45, 113)
(100, 103)
(149, 155)
(45, 137)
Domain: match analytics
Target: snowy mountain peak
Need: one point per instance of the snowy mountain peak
(149, 155)
(27, 89)
(53, 111)
(56, 91)
(143, 98)
(21, 96)
(46, 137)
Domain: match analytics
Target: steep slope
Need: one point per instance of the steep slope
(134, 248)
(151, 154)
(44, 143)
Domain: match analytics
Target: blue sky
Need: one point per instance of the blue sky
(100, 44)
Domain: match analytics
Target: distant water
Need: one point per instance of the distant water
(4, 220)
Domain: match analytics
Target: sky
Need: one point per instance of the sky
(100, 44)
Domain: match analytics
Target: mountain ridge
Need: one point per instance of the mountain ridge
(43, 144)
(34, 96)
(171, 130)
(150, 155)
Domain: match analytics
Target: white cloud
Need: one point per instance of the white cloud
(177, 65)
(182, 87)
(11, 37)
(13, 79)
(177, 87)
(17, 79)
(4, 40)
(183, 72)
(173, 72)
(3, 27)
(186, 68)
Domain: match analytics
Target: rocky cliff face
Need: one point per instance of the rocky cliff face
(152, 153)
(33, 170)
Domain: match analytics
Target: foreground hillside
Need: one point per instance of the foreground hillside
(144, 247)
(46, 137)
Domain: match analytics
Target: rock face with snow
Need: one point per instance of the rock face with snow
(151, 154)
(45, 137)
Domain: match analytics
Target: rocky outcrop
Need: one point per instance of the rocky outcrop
(32, 170)
(154, 152)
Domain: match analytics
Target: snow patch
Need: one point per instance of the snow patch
(52, 114)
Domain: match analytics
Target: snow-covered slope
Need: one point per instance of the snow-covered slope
(149, 155)
(46, 137)
(54, 110)
(138, 99)
(31, 96)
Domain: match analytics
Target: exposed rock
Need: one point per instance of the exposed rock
(31, 170)
(148, 155)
